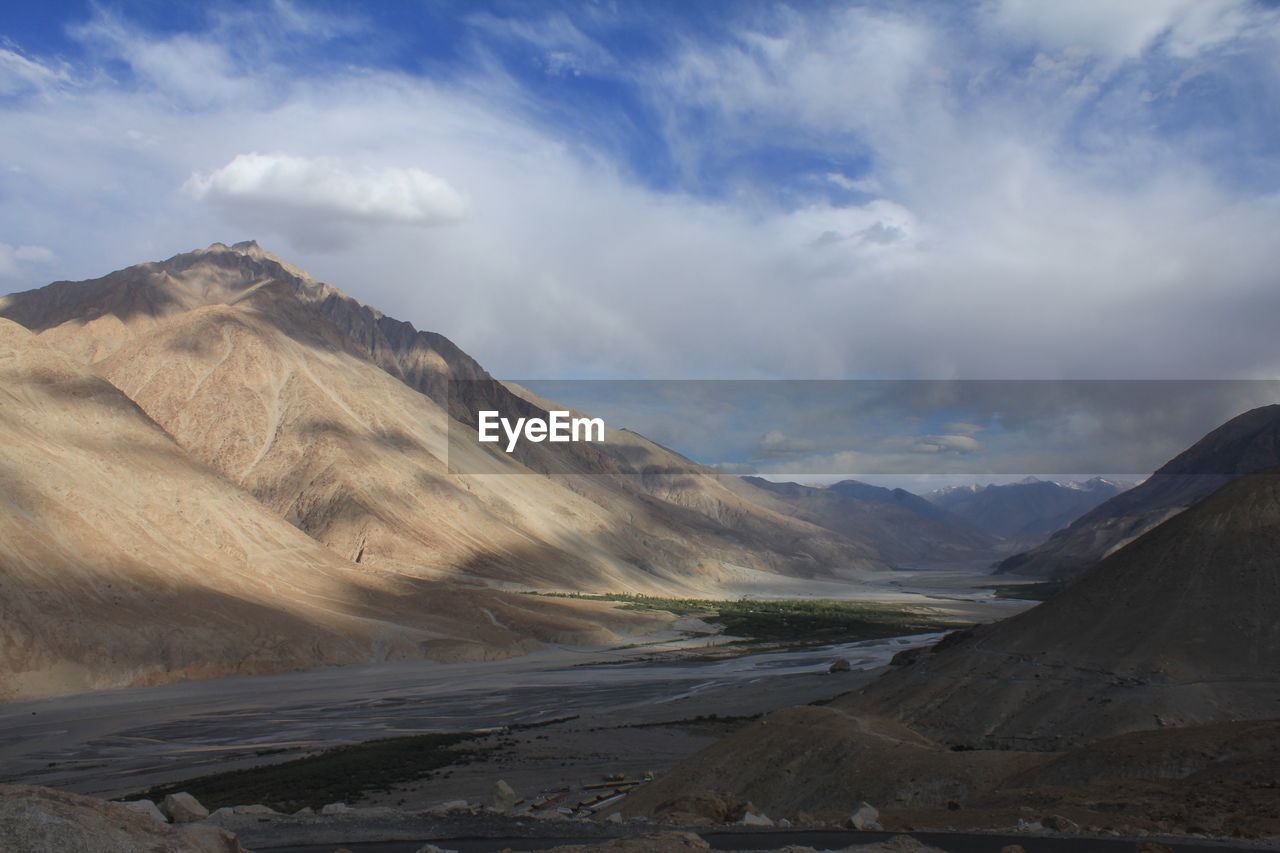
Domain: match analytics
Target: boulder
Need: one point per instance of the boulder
(753, 819)
(431, 848)
(839, 665)
(183, 808)
(212, 839)
(146, 807)
(335, 809)
(502, 796)
(865, 817)
(41, 820)
(1057, 823)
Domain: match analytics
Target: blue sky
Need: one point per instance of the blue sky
(997, 189)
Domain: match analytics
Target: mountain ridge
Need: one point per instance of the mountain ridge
(1248, 442)
(1028, 511)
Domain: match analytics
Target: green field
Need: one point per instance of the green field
(809, 620)
(338, 775)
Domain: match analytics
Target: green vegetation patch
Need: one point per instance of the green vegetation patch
(729, 722)
(1038, 591)
(338, 775)
(807, 620)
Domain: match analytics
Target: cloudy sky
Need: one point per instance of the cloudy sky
(1001, 189)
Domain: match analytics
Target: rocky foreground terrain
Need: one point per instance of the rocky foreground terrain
(37, 820)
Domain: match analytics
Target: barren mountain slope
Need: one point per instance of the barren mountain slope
(896, 525)
(1247, 442)
(311, 401)
(815, 759)
(124, 561)
(1146, 691)
(1177, 628)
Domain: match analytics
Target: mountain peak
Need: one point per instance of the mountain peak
(251, 249)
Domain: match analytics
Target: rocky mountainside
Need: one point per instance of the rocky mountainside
(215, 465)
(1143, 695)
(126, 561)
(1248, 442)
(903, 528)
(1177, 628)
(1026, 512)
(337, 418)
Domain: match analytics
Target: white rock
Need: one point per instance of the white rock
(752, 819)
(146, 807)
(865, 816)
(336, 808)
(503, 797)
(431, 848)
(183, 808)
(616, 817)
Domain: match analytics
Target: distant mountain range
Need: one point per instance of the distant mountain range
(1026, 512)
(903, 527)
(1248, 442)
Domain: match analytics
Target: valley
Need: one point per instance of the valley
(246, 559)
(623, 427)
(118, 742)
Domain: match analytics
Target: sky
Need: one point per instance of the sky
(913, 434)
(1005, 189)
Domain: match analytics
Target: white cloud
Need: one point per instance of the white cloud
(13, 259)
(739, 468)
(19, 74)
(1120, 31)
(311, 198)
(945, 444)
(1019, 251)
(775, 443)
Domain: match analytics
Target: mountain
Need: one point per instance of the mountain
(325, 523)
(1145, 692)
(1176, 628)
(903, 528)
(1026, 512)
(1247, 442)
(125, 561)
(337, 418)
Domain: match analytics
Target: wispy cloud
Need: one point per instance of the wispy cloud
(16, 260)
(982, 190)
